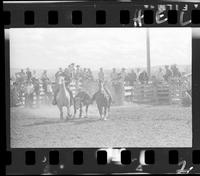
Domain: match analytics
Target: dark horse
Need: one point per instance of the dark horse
(80, 100)
(103, 100)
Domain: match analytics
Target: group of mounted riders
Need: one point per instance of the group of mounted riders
(28, 83)
(63, 96)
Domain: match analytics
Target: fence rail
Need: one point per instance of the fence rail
(139, 93)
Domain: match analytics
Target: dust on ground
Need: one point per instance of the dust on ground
(131, 125)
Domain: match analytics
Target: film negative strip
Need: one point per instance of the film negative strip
(101, 87)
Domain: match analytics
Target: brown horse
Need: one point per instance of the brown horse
(63, 98)
(103, 100)
(80, 100)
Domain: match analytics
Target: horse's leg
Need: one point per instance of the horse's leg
(80, 114)
(100, 110)
(25, 101)
(108, 112)
(61, 112)
(31, 100)
(105, 112)
(68, 112)
(74, 110)
(86, 110)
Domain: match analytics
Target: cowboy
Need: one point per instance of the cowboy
(114, 77)
(105, 88)
(101, 75)
(168, 73)
(60, 73)
(28, 74)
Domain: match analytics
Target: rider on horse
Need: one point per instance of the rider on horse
(67, 82)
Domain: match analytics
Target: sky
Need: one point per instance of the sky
(51, 48)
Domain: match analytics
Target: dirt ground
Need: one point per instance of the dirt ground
(131, 125)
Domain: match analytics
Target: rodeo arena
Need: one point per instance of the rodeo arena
(119, 108)
(169, 86)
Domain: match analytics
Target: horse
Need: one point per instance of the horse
(63, 98)
(103, 100)
(80, 100)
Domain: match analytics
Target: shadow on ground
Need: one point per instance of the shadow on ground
(76, 121)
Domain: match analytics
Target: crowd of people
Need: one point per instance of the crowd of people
(72, 72)
(75, 72)
(142, 76)
(78, 74)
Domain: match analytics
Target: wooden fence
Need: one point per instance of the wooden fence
(148, 93)
(140, 93)
(42, 97)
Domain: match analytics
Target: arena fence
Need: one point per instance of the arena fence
(149, 93)
(43, 99)
(139, 93)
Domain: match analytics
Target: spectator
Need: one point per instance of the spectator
(168, 73)
(67, 76)
(20, 76)
(77, 76)
(77, 73)
(175, 71)
(160, 75)
(89, 74)
(114, 77)
(34, 75)
(44, 76)
(72, 70)
(122, 75)
(84, 74)
(143, 77)
(101, 75)
(132, 77)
